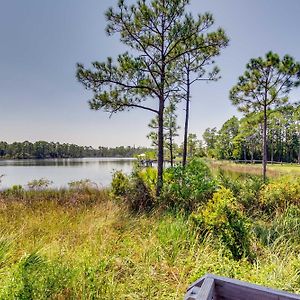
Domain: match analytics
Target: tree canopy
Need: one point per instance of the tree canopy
(157, 33)
(265, 85)
(241, 139)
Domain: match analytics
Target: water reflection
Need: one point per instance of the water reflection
(62, 171)
(64, 161)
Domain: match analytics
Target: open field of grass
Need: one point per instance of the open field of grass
(273, 170)
(85, 245)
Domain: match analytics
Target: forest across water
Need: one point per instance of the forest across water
(44, 150)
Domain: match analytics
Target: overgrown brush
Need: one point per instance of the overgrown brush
(81, 193)
(222, 217)
(187, 187)
(134, 190)
(246, 189)
(85, 243)
(105, 252)
(279, 194)
(284, 228)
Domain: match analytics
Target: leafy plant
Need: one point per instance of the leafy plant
(222, 218)
(119, 184)
(133, 189)
(280, 193)
(149, 176)
(187, 187)
(245, 189)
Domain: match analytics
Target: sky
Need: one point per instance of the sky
(42, 40)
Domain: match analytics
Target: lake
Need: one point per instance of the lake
(62, 171)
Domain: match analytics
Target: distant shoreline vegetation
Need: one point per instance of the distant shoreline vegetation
(46, 150)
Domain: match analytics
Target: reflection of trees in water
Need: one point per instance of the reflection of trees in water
(67, 162)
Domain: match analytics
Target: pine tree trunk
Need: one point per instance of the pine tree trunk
(265, 153)
(299, 152)
(280, 149)
(171, 149)
(186, 124)
(160, 154)
(272, 153)
(252, 156)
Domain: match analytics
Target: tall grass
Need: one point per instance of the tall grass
(273, 170)
(81, 244)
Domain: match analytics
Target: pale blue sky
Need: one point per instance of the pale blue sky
(42, 40)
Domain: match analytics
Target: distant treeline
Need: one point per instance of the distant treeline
(42, 149)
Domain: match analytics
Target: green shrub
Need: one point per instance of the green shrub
(222, 218)
(119, 184)
(245, 189)
(149, 177)
(139, 196)
(280, 193)
(133, 190)
(186, 188)
(230, 182)
(249, 192)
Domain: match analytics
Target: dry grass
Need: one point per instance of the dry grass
(273, 170)
(97, 249)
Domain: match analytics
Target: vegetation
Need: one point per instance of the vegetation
(223, 217)
(170, 132)
(42, 149)
(233, 168)
(264, 86)
(280, 194)
(194, 66)
(86, 243)
(159, 34)
(155, 231)
(241, 139)
(187, 187)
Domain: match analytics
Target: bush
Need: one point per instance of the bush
(280, 193)
(222, 218)
(139, 196)
(119, 184)
(133, 190)
(230, 182)
(149, 177)
(245, 189)
(36, 278)
(186, 188)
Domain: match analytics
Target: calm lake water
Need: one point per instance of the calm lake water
(62, 171)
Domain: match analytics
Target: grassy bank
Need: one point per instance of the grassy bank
(273, 170)
(82, 244)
